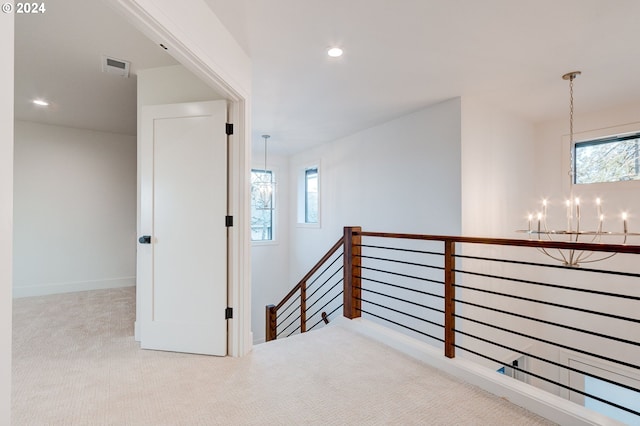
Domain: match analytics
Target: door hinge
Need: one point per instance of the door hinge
(228, 313)
(228, 221)
(229, 128)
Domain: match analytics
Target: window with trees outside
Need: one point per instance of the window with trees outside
(612, 159)
(262, 205)
(311, 195)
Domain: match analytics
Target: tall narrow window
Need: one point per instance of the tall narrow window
(311, 195)
(611, 159)
(262, 205)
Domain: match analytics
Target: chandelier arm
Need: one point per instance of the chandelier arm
(597, 236)
(581, 259)
(600, 258)
(564, 259)
(542, 250)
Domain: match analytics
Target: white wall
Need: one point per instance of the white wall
(498, 171)
(172, 84)
(400, 176)
(75, 200)
(270, 260)
(498, 168)
(6, 210)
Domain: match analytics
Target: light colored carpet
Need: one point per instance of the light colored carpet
(76, 363)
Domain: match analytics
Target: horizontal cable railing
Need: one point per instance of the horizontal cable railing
(404, 288)
(572, 331)
(510, 312)
(313, 301)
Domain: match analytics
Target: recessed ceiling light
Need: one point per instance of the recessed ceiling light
(334, 52)
(40, 102)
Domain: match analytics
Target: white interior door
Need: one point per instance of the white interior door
(182, 273)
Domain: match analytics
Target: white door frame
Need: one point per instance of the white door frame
(175, 25)
(6, 209)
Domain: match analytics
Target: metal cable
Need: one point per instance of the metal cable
(615, 361)
(398, 274)
(556, 305)
(550, 381)
(401, 312)
(401, 287)
(402, 325)
(561, 287)
(401, 300)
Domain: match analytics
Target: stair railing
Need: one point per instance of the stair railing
(305, 295)
(490, 299)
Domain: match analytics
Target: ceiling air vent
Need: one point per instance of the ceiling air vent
(115, 66)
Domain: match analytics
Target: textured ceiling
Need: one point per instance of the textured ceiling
(402, 55)
(58, 57)
(399, 56)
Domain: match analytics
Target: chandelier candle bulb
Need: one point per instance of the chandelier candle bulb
(624, 222)
(539, 217)
(530, 217)
(600, 224)
(599, 207)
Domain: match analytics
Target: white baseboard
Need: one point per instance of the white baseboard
(550, 406)
(69, 287)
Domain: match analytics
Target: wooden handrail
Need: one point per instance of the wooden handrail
(271, 313)
(351, 240)
(313, 270)
(547, 244)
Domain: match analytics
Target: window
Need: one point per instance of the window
(311, 195)
(308, 198)
(611, 159)
(262, 205)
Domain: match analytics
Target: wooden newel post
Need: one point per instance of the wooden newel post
(270, 323)
(352, 263)
(449, 296)
(303, 306)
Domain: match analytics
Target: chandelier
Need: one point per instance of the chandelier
(263, 182)
(574, 232)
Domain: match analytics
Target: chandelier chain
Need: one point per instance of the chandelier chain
(571, 147)
(571, 109)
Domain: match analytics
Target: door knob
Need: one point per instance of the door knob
(145, 239)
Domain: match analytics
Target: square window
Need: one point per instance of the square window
(611, 159)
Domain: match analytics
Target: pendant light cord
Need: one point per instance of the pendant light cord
(265, 158)
(571, 147)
